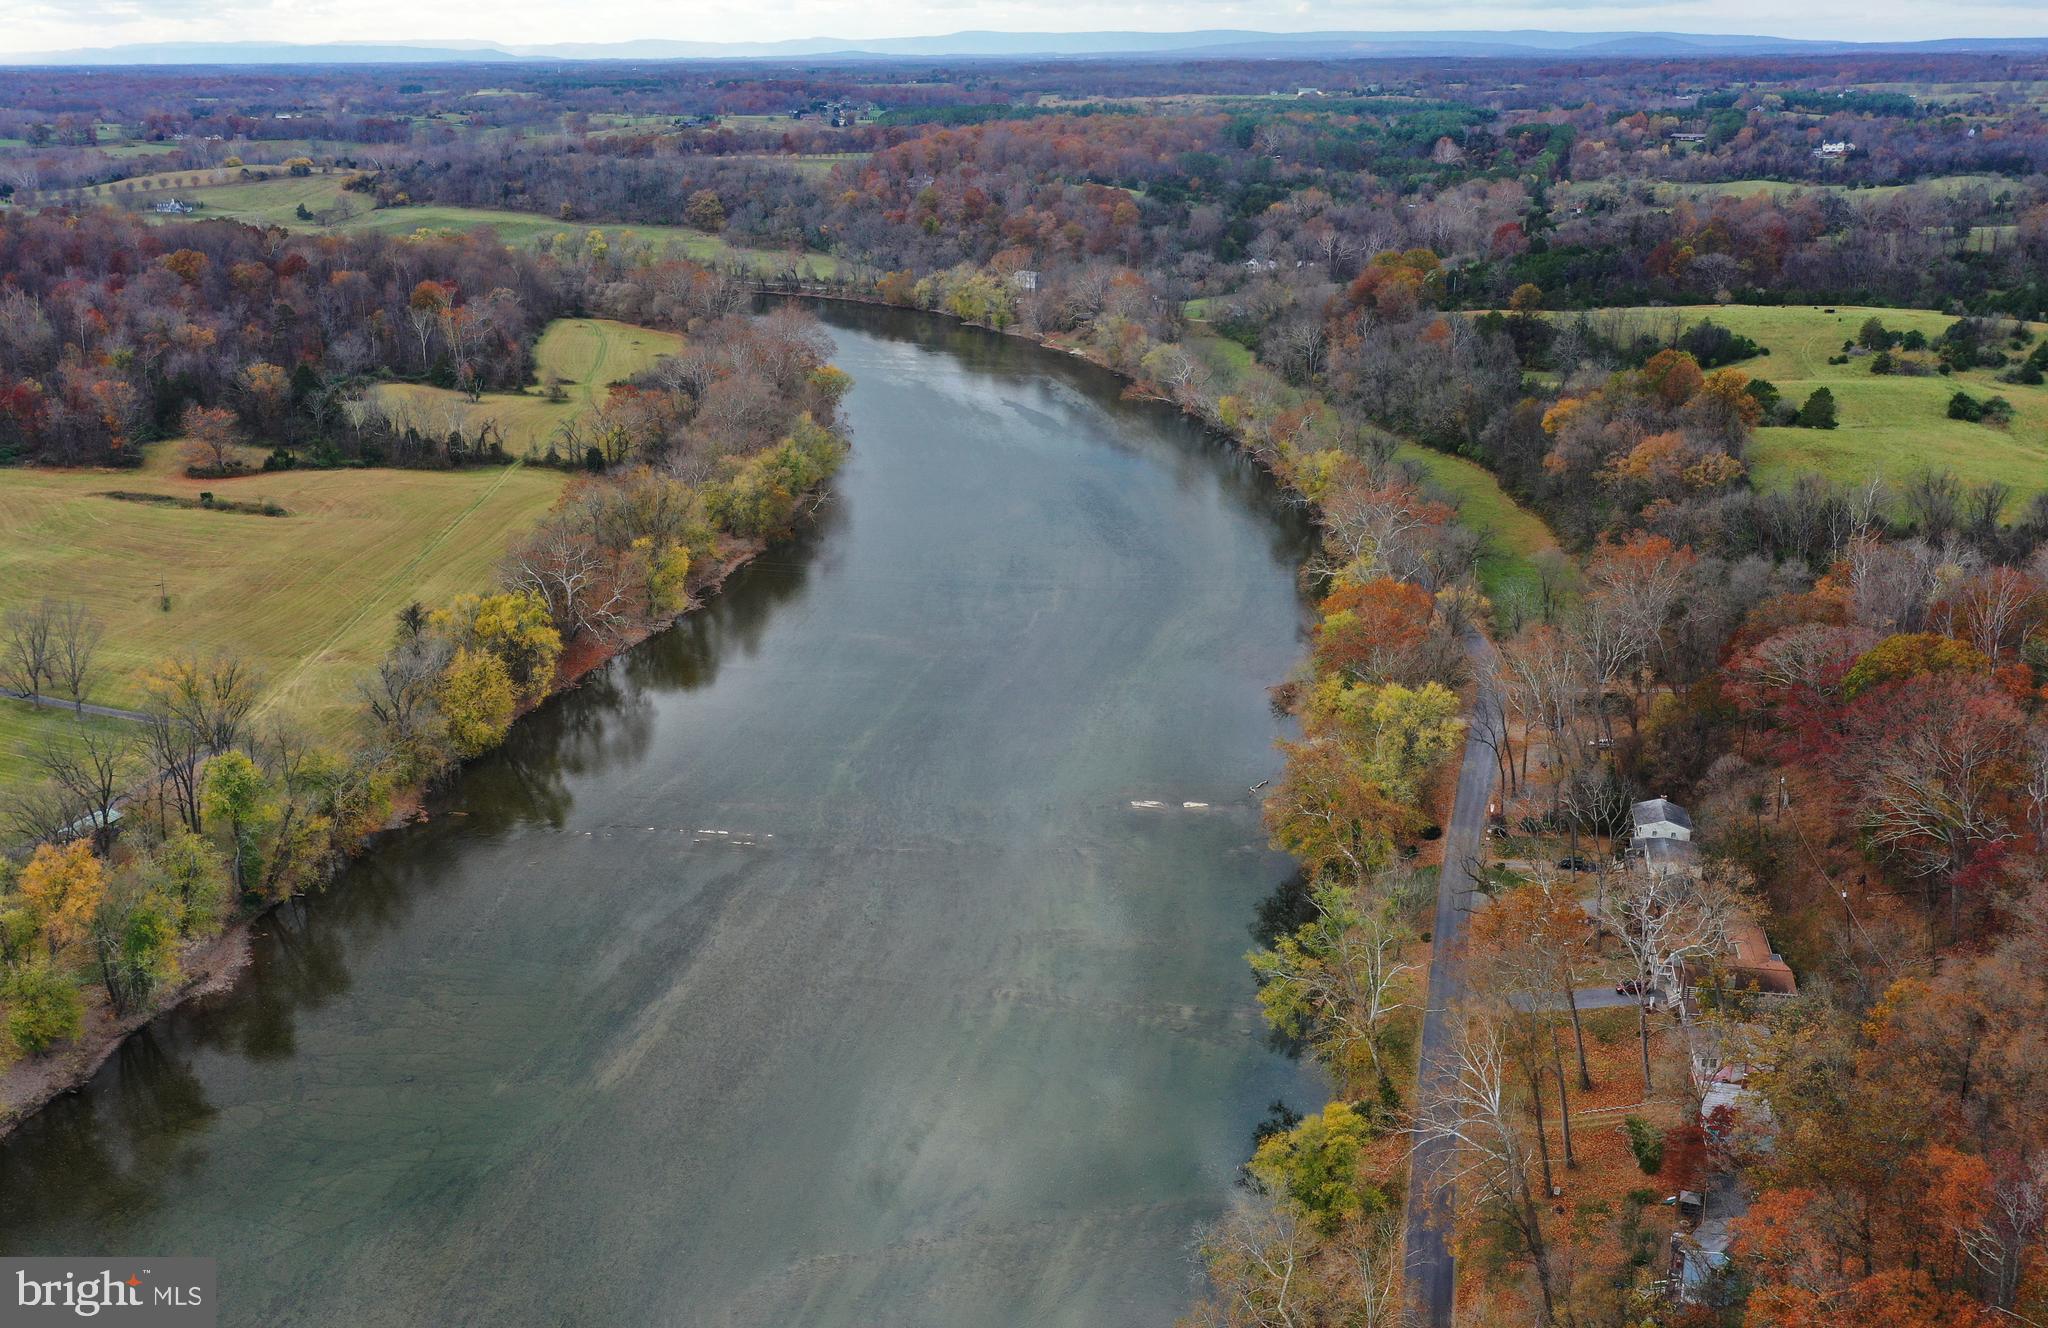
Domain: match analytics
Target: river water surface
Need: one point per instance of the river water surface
(808, 965)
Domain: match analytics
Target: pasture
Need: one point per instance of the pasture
(275, 202)
(307, 598)
(1891, 424)
(587, 354)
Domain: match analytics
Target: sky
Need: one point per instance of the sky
(41, 25)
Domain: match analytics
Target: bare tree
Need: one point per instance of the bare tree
(25, 649)
(400, 697)
(94, 773)
(195, 710)
(1475, 1115)
(1666, 918)
(74, 648)
(574, 578)
(1258, 1260)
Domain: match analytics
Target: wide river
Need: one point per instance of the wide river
(812, 964)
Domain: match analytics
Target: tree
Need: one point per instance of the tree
(135, 941)
(423, 310)
(705, 211)
(211, 436)
(1538, 939)
(1260, 1261)
(64, 886)
(1475, 1116)
(74, 650)
(1932, 764)
(1371, 630)
(94, 771)
(43, 1006)
(1665, 919)
(516, 627)
(401, 695)
(574, 578)
(1911, 655)
(477, 698)
(1316, 1166)
(189, 872)
(25, 649)
(1819, 410)
(196, 710)
(1413, 730)
(234, 793)
(1338, 981)
(1326, 812)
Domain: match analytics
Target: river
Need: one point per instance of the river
(810, 964)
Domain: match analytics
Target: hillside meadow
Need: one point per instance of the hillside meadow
(307, 598)
(1891, 425)
(587, 354)
(276, 202)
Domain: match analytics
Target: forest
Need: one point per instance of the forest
(1757, 344)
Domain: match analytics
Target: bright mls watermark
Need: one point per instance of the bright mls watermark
(133, 1293)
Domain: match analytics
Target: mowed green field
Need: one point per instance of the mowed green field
(1891, 425)
(1512, 534)
(26, 732)
(307, 599)
(275, 202)
(589, 354)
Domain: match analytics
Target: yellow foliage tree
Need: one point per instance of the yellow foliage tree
(64, 886)
(477, 700)
(514, 626)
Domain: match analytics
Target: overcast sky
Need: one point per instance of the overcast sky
(38, 25)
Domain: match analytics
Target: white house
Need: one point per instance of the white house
(1660, 818)
(1834, 149)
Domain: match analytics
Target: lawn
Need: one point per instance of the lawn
(589, 354)
(306, 598)
(1890, 425)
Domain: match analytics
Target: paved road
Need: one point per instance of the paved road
(1587, 998)
(55, 703)
(1432, 1208)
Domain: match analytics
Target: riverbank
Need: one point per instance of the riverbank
(211, 966)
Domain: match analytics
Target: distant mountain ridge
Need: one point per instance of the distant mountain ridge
(1212, 43)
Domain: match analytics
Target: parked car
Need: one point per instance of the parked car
(1629, 987)
(1575, 863)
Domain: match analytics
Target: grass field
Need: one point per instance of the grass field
(275, 202)
(589, 354)
(26, 731)
(1891, 425)
(1513, 534)
(306, 598)
(1670, 191)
